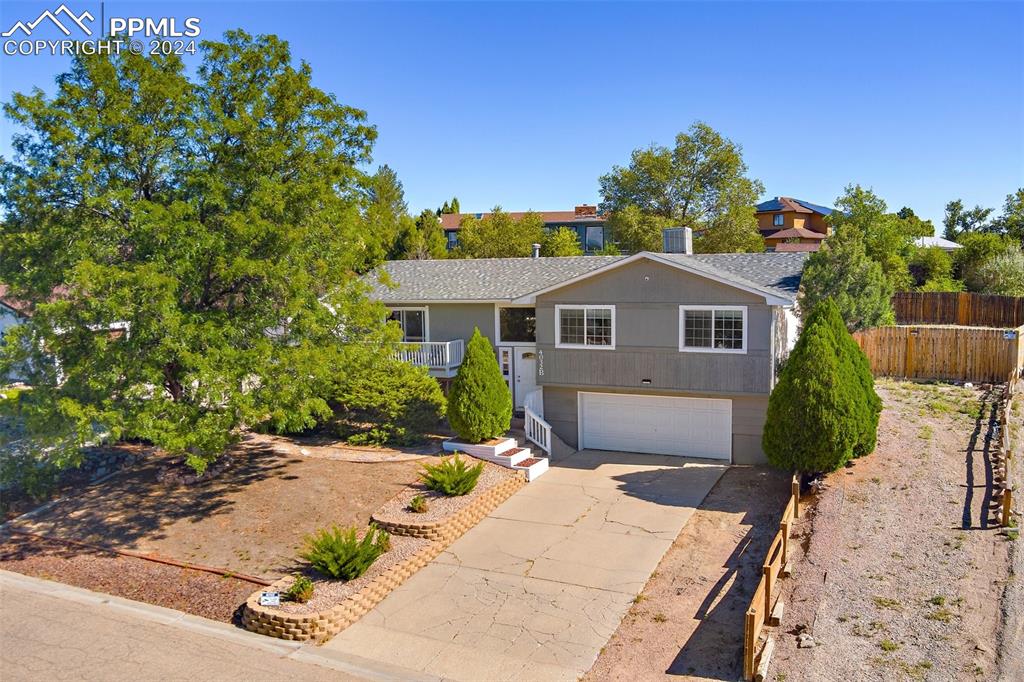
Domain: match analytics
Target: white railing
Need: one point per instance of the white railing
(433, 354)
(537, 430)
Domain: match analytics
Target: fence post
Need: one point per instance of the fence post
(1007, 506)
(749, 644)
(795, 491)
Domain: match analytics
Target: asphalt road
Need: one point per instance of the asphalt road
(50, 631)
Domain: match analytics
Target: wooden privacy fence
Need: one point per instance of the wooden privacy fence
(1004, 458)
(946, 353)
(762, 606)
(965, 309)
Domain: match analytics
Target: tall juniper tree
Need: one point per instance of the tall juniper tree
(214, 222)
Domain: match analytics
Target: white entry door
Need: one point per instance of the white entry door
(660, 425)
(525, 367)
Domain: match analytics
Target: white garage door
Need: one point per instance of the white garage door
(690, 427)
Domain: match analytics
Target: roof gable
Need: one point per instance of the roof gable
(790, 204)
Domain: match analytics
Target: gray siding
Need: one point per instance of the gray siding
(748, 417)
(647, 296)
(450, 321)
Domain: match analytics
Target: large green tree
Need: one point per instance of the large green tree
(479, 402)
(560, 242)
(842, 271)
(1011, 221)
(423, 239)
(499, 235)
(634, 231)
(976, 249)
(213, 222)
(888, 238)
(390, 231)
(960, 220)
(700, 183)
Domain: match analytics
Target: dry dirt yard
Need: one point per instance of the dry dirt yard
(903, 565)
(249, 516)
(687, 624)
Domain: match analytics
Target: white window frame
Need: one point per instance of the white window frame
(699, 349)
(583, 346)
(778, 220)
(426, 321)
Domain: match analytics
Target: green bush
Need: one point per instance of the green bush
(418, 504)
(390, 402)
(814, 421)
(301, 590)
(452, 477)
(341, 554)
(868, 406)
(479, 402)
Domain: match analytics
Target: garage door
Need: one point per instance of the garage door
(690, 427)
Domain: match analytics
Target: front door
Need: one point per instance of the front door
(525, 370)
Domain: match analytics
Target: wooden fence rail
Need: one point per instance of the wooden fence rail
(766, 595)
(945, 353)
(1004, 462)
(960, 308)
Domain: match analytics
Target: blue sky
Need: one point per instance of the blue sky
(525, 105)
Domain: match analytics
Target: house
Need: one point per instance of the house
(940, 242)
(666, 353)
(12, 312)
(784, 220)
(584, 220)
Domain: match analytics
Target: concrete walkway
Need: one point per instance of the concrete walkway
(536, 589)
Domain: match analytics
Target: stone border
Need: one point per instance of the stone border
(322, 625)
(462, 520)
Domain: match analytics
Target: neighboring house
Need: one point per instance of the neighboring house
(12, 313)
(784, 220)
(584, 220)
(944, 244)
(657, 353)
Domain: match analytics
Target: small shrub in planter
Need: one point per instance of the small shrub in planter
(301, 590)
(418, 504)
(479, 402)
(340, 554)
(389, 403)
(452, 477)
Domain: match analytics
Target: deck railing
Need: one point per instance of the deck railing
(537, 430)
(433, 354)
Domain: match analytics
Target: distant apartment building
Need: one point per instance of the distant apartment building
(584, 220)
(789, 224)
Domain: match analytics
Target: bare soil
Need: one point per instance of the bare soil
(687, 624)
(196, 592)
(904, 565)
(250, 517)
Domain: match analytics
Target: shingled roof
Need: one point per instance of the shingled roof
(791, 204)
(508, 279)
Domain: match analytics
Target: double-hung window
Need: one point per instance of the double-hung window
(712, 329)
(585, 326)
(413, 322)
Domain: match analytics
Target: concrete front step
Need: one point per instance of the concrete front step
(505, 452)
(534, 467)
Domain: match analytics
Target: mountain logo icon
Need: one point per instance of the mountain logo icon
(69, 16)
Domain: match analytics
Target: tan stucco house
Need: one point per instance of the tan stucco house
(787, 221)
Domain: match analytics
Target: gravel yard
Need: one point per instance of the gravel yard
(196, 592)
(250, 516)
(904, 565)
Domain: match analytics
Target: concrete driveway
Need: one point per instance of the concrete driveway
(536, 589)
